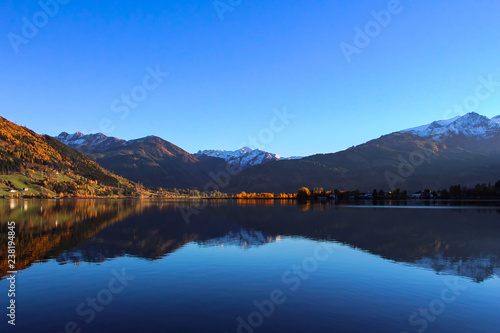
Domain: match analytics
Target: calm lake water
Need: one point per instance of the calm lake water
(251, 266)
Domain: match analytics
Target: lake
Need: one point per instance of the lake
(251, 266)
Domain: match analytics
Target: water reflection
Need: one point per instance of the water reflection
(46, 228)
(459, 240)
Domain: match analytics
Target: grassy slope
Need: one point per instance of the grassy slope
(20, 181)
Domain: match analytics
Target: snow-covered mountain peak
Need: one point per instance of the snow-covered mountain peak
(472, 119)
(243, 158)
(470, 125)
(80, 141)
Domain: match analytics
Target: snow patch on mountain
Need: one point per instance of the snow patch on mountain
(89, 142)
(470, 125)
(478, 269)
(243, 238)
(245, 157)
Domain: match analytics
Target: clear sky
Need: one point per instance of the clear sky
(232, 64)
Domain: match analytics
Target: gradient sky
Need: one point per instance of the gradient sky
(227, 76)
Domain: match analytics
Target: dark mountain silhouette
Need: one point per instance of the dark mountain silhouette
(464, 151)
(150, 160)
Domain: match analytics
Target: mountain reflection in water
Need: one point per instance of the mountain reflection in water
(462, 241)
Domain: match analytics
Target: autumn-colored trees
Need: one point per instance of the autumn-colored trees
(244, 195)
(303, 193)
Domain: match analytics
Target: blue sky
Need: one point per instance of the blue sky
(230, 69)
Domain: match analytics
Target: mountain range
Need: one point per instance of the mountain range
(150, 160)
(463, 150)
